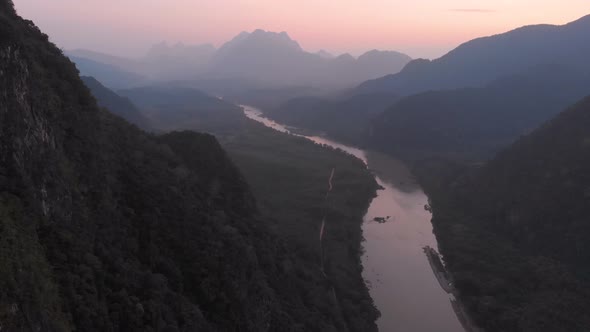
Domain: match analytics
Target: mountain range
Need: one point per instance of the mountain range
(262, 57)
(482, 60)
(474, 123)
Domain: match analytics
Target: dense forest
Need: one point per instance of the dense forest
(106, 228)
(288, 176)
(515, 232)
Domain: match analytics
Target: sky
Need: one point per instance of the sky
(419, 28)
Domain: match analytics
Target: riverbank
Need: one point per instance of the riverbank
(439, 270)
(446, 283)
(399, 277)
(289, 176)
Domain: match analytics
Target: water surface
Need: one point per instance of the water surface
(396, 270)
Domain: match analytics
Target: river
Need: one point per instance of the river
(395, 268)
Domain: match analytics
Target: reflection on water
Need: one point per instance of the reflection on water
(396, 270)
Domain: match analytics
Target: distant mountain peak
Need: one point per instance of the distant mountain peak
(262, 39)
(325, 54)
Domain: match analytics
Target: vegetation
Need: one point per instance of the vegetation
(514, 232)
(106, 228)
(474, 123)
(116, 104)
(171, 107)
(345, 120)
(289, 176)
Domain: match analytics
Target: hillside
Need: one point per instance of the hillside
(344, 119)
(106, 228)
(116, 104)
(112, 76)
(170, 107)
(482, 60)
(474, 123)
(515, 232)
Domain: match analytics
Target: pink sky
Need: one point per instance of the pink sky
(420, 28)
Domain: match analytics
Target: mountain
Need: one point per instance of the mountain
(515, 232)
(482, 60)
(127, 64)
(112, 76)
(262, 58)
(275, 58)
(325, 54)
(474, 123)
(106, 228)
(162, 61)
(343, 119)
(179, 61)
(172, 107)
(116, 104)
(374, 63)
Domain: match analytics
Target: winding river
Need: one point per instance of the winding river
(396, 228)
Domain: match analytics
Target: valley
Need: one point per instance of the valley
(181, 166)
(398, 275)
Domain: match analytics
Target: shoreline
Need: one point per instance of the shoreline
(444, 279)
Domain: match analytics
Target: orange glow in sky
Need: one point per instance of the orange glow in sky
(420, 28)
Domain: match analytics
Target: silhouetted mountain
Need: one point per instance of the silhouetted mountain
(475, 122)
(325, 54)
(275, 58)
(112, 76)
(118, 105)
(484, 59)
(345, 119)
(171, 107)
(262, 58)
(162, 62)
(106, 228)
(515, 232)
(124, 63)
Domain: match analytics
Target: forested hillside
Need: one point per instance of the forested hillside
(515, 232)
(345, 119)
(106, 228)
(474, 123)
(170, 107)
(116, 104)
